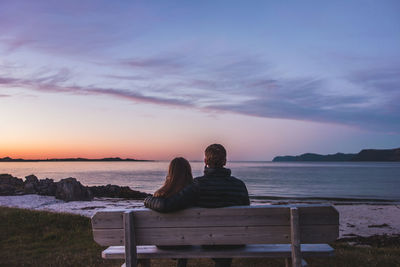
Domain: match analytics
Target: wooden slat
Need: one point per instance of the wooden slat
(109, 237)
(249, 251)
(236, 216)
(232, 216)
(214, 235)
(108, 219)
(218, 235)
(196, 236)
(115, 252)
(196, 217)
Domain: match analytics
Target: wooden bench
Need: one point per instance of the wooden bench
(284, 231)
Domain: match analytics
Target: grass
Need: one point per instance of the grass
(37, 238)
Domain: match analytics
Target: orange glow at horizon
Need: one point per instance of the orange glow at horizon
(153, 150)
(97, 129)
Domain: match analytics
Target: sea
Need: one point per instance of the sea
(376, 182)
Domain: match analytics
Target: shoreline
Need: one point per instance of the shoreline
(355, 219)
(316, 200)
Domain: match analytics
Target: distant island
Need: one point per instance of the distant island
(363, 155)
(8, 159)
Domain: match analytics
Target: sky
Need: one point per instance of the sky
(159, 79)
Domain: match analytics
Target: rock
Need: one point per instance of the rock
(7, 190)
(29, 188)
(46, 187)
(70, 189)
(11, 180)
(117, 191)
(31, 179)
(30, 185)
(10, 185)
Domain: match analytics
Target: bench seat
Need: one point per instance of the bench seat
(249, 251)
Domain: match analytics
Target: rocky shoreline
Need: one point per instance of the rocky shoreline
(70, 196)
(68, 189)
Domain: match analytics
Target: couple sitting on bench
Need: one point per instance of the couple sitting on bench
(215, 189)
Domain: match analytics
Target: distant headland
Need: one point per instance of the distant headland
(363, 155)
(8, 159)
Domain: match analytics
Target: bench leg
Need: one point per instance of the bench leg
(130, 241)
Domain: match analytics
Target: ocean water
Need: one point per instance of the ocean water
(347, 181)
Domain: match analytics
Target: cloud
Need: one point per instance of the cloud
(384, 84)
(137, 97)
(13, 44)
(243, 85)
(308, 99)
(70, 28)
(125, 77)
(300, 99)
(8, 81)
(155, 62)
(53, 83)
(385, 79)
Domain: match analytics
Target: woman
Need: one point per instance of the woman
(179, 176)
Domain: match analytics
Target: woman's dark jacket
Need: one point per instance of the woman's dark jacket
(217, 188)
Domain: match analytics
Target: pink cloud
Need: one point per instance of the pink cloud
(51, 84)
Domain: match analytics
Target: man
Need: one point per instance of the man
(216, 188)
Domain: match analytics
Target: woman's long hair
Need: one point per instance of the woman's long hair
(179, 176)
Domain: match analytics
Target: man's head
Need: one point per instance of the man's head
(215, 156)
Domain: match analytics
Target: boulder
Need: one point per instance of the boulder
(11, 180)
(7, 190)
(30, 185)
(31, 179)
(69, 189)
(46, 187)
(10, 185)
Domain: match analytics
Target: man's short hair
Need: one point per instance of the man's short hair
(215, 156)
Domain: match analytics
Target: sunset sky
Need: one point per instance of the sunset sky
(158, 79)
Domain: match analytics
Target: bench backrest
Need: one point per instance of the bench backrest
(231, 225)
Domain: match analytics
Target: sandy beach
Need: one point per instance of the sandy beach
(355, 220)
